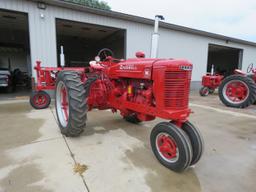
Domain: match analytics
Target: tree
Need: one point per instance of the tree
(91, 3)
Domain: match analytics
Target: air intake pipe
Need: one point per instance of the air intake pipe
(155, 37)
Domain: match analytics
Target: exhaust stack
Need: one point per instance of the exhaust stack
(62, 57)
(155, 37)
(212, 70)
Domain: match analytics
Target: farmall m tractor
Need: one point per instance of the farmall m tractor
(239, 90)
(210, 82)
(141, 89)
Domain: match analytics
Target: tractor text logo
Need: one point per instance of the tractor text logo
(128, 67)
(186, 68)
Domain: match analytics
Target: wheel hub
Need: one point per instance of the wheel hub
(62, 104)
(166, 147)
(40, 100)
(236, 91)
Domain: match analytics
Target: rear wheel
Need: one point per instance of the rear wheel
(171, 146)
(40, 99)
(237, 91)
(204, 91)
(196, 141)
(70, 103)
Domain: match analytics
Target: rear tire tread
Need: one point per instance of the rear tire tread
(77, 103)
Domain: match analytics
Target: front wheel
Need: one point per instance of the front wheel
(40, 99)
(237, 91)
(204, 91)
(196, 140)
(171, 146)
(70, 103)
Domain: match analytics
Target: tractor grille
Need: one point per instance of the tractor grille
(176, 89)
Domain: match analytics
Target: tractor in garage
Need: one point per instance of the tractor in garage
(210, 82)
(141, 89)
(239, 90)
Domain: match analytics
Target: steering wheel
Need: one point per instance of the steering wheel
(104, 53)
(250, 68)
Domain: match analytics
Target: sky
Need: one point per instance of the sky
(234, 18)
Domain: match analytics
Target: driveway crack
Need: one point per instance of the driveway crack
(71, 153)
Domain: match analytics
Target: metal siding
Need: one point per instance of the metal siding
(173, 44)
(194, 48)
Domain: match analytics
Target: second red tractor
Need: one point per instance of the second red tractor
(209, 83)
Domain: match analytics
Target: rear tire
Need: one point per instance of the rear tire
(75, 113)
(132, 119)
(196, 140)
(204, 91)
(39, 99)
(246, 82)
(175, 151)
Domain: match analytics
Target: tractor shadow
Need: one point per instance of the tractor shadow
(157, 177)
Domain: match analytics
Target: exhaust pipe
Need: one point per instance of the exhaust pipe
(62, 57)
(155, 37)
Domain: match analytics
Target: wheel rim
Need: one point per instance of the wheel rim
(40, 100)
(167, 148)
(235, 91)
(62, 104)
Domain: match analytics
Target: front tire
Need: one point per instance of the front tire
(70, 103)
(196, 140)
(204, 91)
(237, 91)
(171, 146)
(39, 99)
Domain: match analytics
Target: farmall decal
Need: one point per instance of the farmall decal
(186, 68)
(128, 67)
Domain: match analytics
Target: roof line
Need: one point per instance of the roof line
(118, 15)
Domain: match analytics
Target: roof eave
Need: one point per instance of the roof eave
(143, 20)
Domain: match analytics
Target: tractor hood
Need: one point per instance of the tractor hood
(141, 68)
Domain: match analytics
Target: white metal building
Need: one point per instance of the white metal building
(33, 30)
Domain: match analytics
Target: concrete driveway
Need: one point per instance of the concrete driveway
(117, 156)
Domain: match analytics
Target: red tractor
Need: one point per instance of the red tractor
(46, 79)
(210, 83)
(239, 90)
(141, 89)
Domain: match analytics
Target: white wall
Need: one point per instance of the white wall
(172, 43)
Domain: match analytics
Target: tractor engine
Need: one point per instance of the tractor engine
(151, 87)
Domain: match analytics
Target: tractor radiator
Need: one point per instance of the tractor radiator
(176, 89)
